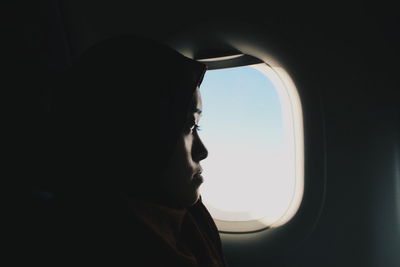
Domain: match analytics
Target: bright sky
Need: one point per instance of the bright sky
(244, 101)
(249, 172)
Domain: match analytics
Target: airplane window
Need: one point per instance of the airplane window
(252, 128)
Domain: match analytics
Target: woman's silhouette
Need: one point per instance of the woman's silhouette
(127, 160)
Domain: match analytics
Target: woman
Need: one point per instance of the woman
(128, 154)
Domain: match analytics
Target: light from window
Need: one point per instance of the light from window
(252, 128)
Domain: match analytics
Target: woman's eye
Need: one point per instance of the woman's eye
(195, 127)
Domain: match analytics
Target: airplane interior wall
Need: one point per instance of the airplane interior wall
(349, 55)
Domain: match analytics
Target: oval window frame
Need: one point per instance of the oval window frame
(215, 38)
(288, 95)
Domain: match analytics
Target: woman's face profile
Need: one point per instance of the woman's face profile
(182, 179)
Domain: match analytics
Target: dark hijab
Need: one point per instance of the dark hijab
(120, 111)
(118, 116)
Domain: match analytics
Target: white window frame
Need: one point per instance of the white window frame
(290, 99)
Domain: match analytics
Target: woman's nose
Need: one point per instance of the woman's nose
(199, 151)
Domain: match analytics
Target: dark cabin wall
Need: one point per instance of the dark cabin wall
(354, 62)
(349, 53)
(355, 68)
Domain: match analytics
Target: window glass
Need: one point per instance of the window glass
(250, 173)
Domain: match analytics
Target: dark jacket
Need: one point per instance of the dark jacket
(118, 232)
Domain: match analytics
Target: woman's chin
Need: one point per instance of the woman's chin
(195, 198)
(191, 200)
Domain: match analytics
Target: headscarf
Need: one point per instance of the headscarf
(120, 110)
(118, 117)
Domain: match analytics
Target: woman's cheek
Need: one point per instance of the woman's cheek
(188, 143)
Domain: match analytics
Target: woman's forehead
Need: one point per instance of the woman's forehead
(196, 106)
